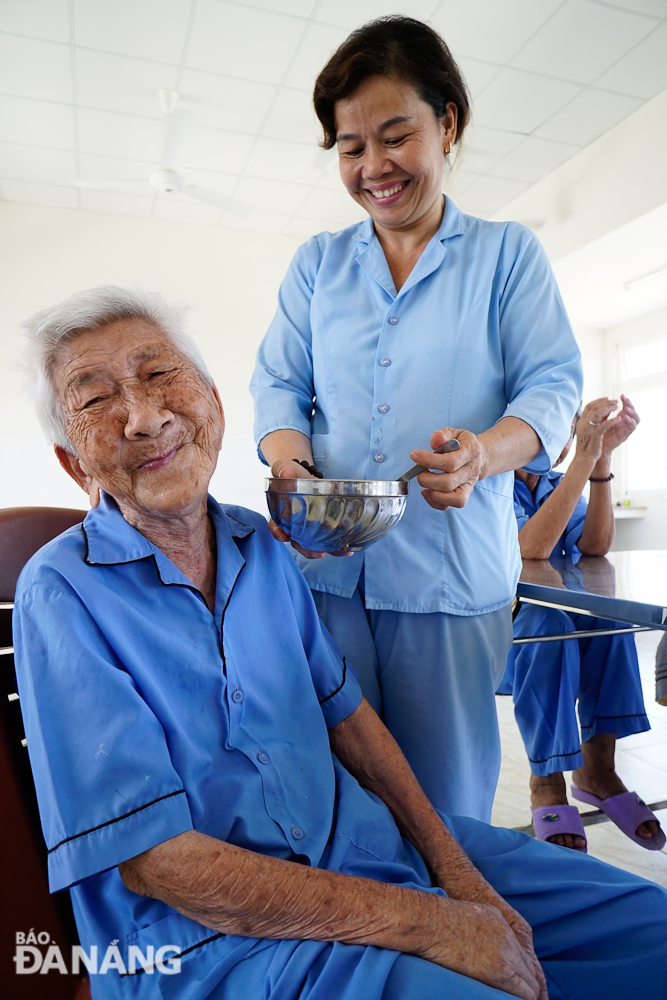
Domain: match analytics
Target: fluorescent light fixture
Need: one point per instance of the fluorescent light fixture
(644, 278)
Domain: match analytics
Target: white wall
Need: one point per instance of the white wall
(230, 278)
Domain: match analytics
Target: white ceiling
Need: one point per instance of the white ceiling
(79, 82)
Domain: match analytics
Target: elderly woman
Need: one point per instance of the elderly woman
(182, 701)
(419, 323)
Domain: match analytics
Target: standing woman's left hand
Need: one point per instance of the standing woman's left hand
(457, 473)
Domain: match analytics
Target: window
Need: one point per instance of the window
(640, 372)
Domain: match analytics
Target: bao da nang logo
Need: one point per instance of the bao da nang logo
(36, 953)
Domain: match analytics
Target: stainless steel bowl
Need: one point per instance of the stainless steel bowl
(333, 515)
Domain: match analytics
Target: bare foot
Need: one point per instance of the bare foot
(599, 778)
(549, 790)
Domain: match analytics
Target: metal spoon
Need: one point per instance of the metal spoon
(451, 445)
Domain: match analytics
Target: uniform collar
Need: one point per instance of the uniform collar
(112, 541)
(452, 225)
(370, 255)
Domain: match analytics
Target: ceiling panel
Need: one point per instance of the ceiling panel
(488, 194)
(643, 71)
(318, 43)
(36, 123)
(224, 102)
(277, 160)
(656, 7)
(38, 19)
(242, 41)
(292, 118)
(51, 166)
(213, 149)
(492, 31)
(123, 136)
(582, 40)
(186, 210)
(53, 195)
(350, 13)
(30, 67)
(338, 205)
(521, 102)
(533, 159)
(477, 73)
(275, 197)
(256, 222)
(148, 29)
(120, 204)
(128, 86)
(113, 169)
(483, 147)
(298, 8)
(590, 114)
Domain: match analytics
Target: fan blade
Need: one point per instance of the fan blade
(177, 126)
(88, 185)
(217, 200)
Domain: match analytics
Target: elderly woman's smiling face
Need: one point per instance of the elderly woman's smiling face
(146, 427)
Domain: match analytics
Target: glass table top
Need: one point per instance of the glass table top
(623, 586)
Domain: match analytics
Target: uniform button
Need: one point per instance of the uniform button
(383, 408)
(297, 833)
(393, 320)
(262, 757)
(237, 695)
(385, 362)
(379, 457)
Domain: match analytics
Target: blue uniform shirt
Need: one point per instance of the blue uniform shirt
(147, 716)
(477, 332)
(525, 505)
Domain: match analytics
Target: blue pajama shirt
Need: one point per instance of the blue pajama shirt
(477, 332)
(599, 675)
(147, 716)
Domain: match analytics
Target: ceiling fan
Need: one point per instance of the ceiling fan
(167, 178)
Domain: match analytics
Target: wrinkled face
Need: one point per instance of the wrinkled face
(145, 426)
(391, 150)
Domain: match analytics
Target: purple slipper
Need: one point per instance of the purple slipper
(549, 821)
(627, 811)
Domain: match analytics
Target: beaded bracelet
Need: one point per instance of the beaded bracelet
(607, 479)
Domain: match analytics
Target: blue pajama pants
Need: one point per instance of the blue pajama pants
(599, 932)
(432, 678)
(547, 679)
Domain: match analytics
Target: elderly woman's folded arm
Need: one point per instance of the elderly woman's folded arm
(236, 891)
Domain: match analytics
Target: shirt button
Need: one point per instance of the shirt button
(379, 457)
(237, 696)
(297, 833)
(262, 757)
(385, 362)
(393, 320)
(383, 408)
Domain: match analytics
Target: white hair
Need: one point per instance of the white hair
(93, 309)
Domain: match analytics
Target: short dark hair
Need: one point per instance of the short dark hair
(395, 46)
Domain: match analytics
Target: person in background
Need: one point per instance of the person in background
(546, 679)
(418, 325)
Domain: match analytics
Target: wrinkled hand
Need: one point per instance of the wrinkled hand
(457, 472)
(597, 434)
(483, 945)
(475, 889)
(621, 428)
(292, 470)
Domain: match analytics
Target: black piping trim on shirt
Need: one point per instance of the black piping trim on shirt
(192, 947)
(633, 715)
(340, 686)
(109, 822)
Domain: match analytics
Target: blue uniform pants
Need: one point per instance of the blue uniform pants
(599, 933)
(432, 678)
(547, 679)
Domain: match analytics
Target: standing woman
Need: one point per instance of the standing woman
(418, 325)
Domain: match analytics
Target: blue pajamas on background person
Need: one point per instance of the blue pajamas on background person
(547, 679)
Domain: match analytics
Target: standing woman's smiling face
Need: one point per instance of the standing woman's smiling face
(391, 150)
